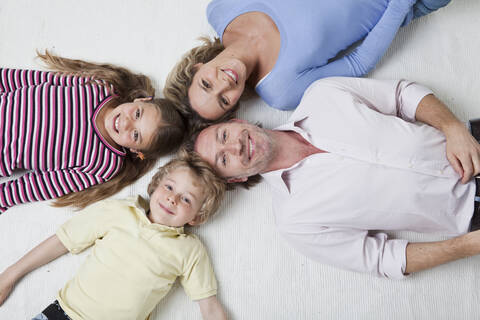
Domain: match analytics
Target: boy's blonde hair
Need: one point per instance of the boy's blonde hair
(214, 185)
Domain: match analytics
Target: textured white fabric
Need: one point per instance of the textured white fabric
(379, 172)
(259, 275)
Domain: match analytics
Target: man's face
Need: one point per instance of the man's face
(236, 149)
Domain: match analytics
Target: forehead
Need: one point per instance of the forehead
(185, 180)
(205, 144)
(150, 122)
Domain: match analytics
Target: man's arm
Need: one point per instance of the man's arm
(426, 255)
(463, 151)
(48, 250)
(211, 308)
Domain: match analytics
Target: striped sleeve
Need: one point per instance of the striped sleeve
(13, 79)
(45, 185)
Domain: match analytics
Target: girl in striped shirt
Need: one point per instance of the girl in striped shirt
(83, 131)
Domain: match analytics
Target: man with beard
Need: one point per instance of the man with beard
(352, 158)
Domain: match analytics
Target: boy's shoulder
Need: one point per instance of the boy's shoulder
(192, 242)
(119, 206)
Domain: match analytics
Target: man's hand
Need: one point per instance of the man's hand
(6, 286)
(426, 255)
(463, 151)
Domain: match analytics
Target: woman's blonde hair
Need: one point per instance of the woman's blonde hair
(126, 86)
(180, 78)
(214, 186)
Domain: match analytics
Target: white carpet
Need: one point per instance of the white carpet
(259, 275)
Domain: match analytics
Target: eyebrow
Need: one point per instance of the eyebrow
(217, 155)
(174, 182)
(140, 138)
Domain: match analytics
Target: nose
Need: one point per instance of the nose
(234, 147)
(224, 82)
(126, 123)
(171, 198)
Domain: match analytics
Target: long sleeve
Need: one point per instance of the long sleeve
(13, 79)
(391, 97)
(357, 63)
(350, 249)
(44, 185)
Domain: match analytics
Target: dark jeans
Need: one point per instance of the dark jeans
(52, 312)
(474, 127)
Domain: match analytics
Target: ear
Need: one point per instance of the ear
(143, 99)
(196, 221)
(134, 151)
(233, 180)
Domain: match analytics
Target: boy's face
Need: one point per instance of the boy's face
(177, 199)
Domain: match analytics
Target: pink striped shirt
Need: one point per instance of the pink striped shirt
(47, 126)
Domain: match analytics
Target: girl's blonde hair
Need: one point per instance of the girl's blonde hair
(180, 78)
(214, 185)
(127, 86)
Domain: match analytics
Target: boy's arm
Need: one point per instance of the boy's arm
(48, 250)
(463, 151)
(211, 308)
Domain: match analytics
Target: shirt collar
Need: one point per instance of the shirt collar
(277, 178)
(142, 207)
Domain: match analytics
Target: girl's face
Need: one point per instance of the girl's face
(217, 86)
(133, 125)
(178, 199)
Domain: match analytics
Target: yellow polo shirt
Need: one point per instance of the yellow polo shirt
(133, 262)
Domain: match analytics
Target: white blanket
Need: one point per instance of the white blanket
(260, 276)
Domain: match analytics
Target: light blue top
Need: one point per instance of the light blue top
(314, 31)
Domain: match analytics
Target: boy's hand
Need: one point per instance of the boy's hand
(6, 286)
(211, 309)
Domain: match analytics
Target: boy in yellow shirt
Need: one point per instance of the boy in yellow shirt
(137, 252)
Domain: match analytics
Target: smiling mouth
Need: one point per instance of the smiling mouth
(250, 147)
(166, 210)
(116, 123)
(231, 74)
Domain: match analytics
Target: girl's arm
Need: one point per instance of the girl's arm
(13, 79)
(45, 185)
(48, 250)
(211, 308)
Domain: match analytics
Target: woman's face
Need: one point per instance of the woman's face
(216, 87)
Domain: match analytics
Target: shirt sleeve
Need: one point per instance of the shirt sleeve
(44, 185)
(13, 79)
(198, 279)
(88, 225)
(355, 64)
(351, 249)
(398, 98)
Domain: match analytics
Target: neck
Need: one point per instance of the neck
(290, 148)
(254, 39)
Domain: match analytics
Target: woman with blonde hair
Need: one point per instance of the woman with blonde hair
(281, 47)
(84, 131)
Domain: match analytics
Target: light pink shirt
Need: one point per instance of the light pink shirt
(382, 171)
